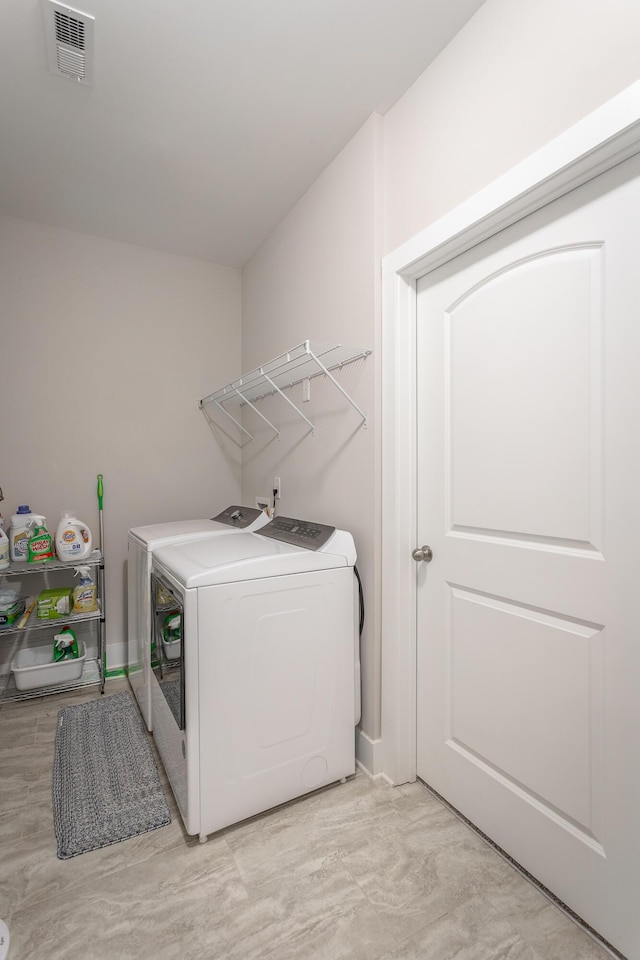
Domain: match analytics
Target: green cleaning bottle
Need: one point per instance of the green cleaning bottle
(39, 544)
(65, 645)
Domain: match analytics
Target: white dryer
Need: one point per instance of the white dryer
(141, 544)
(262, 704)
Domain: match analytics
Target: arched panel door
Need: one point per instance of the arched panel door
(528, 494)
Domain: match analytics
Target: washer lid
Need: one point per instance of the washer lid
(157, 534)
(246, 556)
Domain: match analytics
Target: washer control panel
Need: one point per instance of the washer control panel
(238, 517)
(301, 533)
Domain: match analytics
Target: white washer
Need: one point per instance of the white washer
(263, 702)
(141, 544)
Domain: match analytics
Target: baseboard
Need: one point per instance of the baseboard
(369, 754)
(116, 656)
(116, 674)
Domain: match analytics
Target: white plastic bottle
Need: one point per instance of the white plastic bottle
(4, 549)
(73, 539)
(20, 530)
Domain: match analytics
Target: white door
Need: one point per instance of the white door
(529, 490)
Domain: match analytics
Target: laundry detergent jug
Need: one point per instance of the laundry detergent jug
(73, 539)
(20, 531)
(4, 549)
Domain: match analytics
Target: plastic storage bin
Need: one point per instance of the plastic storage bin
(35, 668)
(171, 649)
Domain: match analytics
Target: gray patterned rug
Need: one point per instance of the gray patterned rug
(106, 786)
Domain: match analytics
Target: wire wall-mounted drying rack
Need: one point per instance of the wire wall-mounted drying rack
(304, 362)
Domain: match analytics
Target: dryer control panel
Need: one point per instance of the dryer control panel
(300, 533)
(238, 517)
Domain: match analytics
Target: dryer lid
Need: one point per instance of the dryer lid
(246, 556)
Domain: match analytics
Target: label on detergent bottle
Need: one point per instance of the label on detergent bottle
(20, 544)
(72, 545)
(40, 546)
(4, 549)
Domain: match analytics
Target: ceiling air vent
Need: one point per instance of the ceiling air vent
(69, 35)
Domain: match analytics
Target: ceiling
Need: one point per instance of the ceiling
(207, 119)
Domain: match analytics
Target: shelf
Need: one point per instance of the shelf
(304, 362)
(91, 674)
(34, 624)
(19, 568)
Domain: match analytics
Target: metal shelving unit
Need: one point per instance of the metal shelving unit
(307, 360)
(94, 669)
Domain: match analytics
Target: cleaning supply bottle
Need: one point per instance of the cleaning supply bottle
(4, 550)
(19, 531)
(85, 599)
(40, 545)
(65, 645)
(73, 538)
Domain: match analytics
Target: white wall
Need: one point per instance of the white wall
(106, 350)
(517, 75)
(314, 279)
(146, 334)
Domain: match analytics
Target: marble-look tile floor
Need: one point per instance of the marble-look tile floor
(360, 870)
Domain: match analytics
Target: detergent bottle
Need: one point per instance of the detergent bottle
(84, 593)
(73, 538)
(20, 530)
(4, 550)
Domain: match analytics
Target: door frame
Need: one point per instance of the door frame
(601, 140)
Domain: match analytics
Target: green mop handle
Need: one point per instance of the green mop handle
(100, 496)
(102, 638)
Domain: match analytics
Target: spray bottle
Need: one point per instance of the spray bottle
(85, 598)
(65, 645)
(39, 543)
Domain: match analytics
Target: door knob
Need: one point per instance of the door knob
(422, 553)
